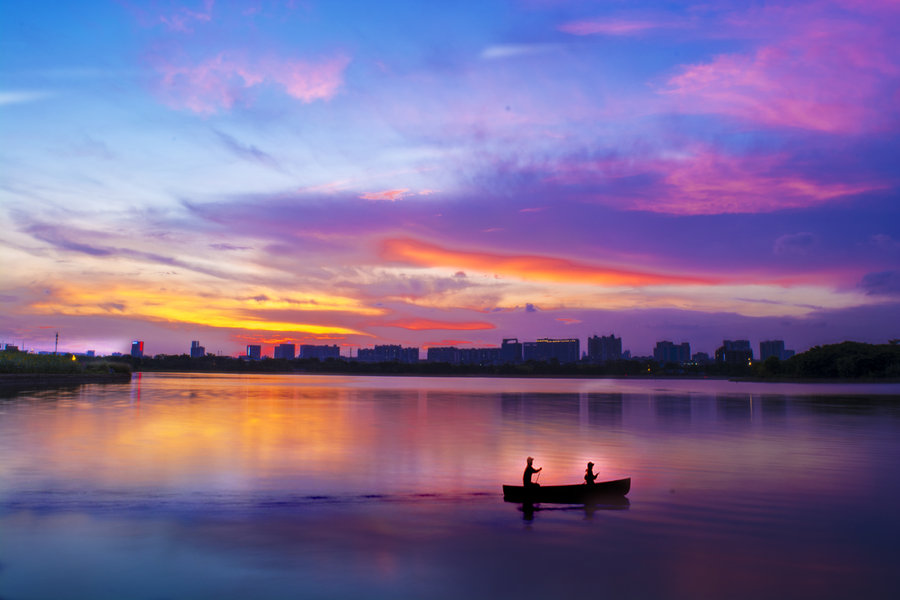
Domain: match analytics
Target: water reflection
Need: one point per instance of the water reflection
(734, 409)
(604, 410)
(673, 409)
(280, 486)
(773, 407)
(528, 510)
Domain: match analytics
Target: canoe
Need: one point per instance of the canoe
(567, 494)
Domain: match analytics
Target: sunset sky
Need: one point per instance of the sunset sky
(359, 173)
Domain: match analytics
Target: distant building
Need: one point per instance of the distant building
(90, 353)
(604, 348)
(254, 352)
(197, 351)
(11, 348)
(479, 356)
(288, 351)
(137, 349)
(735, 352)
(463, 356)
(774, 348)
(667, 352)
(701, 358)
(389, 353)
(445, 354)
(547, 349)
(511, 351)
(320, 352)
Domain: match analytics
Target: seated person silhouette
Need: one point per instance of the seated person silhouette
(589, 475)
(529, 471)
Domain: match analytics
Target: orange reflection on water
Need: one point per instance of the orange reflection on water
(355, 435)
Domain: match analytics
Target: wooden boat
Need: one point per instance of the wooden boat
(567, 494)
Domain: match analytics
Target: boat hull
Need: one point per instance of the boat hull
(567, 494)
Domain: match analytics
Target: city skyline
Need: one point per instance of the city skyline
(331, 173)
(598, 348)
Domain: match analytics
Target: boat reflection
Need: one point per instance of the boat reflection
(611, 503)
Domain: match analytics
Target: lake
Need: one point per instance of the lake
(292, 486)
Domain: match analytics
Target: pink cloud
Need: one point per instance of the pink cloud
(568, 321)
(712, 183)
(389, 195)
(217, 83)
(832, 77)
(607, 27)
(182, 19)
(706, 181)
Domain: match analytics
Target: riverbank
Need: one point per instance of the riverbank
(34, 380)
(20, 370)
(487, 375)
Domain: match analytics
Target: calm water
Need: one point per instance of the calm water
(182, 486)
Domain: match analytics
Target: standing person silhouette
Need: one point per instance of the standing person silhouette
(529, 471)
(589, 475)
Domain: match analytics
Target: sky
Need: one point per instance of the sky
(432, 174)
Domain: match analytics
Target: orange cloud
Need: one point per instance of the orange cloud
(429, 324)
(178, 306)
(274, 340)
(453, 343)
(526, 267)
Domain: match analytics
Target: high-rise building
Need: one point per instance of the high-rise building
(463, 356)
(701, 358)
(137, 349)
(734, 352)
(254, 352)
(604, 348)
(288, 351)
(479, 356)
(667, 352)
(197, 351)
(547, 349)
(389, 353)
(320, 352)
(447, 354)
(774, 348)
(511, 351)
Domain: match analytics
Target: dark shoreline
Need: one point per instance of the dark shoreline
(538, 376)
(25, 380)
(49, 380)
